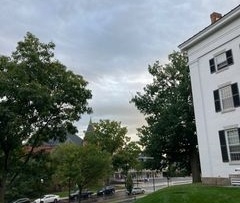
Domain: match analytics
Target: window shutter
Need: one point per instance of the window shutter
(239, 133)
(229, 57)
(223, 146)
(217, 100)
(212, 65)
(235, 94)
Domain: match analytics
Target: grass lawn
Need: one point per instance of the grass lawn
(193, 193)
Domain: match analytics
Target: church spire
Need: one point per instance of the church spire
(90, 127)
(89, 130)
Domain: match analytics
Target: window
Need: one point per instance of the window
(221, 61)
(226, 97)
(230, 144)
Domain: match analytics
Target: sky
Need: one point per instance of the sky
(109, 42)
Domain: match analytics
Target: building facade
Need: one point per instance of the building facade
(214, 62)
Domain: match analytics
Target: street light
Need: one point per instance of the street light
(41, 180)
(168, 169)
(153, 181)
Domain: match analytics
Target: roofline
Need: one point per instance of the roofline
(230, 16)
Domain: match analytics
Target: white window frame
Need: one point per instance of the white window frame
(226, 97)
(221, 60)
(234, 156)
(226, 100)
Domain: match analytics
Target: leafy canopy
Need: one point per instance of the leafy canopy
(127, 158)
(111, 137)
(83, 165)
(108, 135)
(169, 135)
(39, 100)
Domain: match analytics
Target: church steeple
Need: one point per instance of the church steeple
(90, 127)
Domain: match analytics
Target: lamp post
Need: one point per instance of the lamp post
(153, 181)
(41, 181)
(168, 169)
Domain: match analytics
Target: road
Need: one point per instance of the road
(150, 186)
(158, 183)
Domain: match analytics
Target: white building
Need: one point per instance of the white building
(214, 62)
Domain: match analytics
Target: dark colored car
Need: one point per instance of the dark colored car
(22, 200)
(108, 190)
(84, 195)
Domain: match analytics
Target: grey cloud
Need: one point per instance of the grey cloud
(109, 42)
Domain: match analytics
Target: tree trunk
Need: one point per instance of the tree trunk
(195, 166)
(79, 194)
(2, 189)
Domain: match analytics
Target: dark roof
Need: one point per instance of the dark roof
(210, 26)
(74, 139)
(70, 138)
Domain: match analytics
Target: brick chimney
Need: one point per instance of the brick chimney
(215, 16)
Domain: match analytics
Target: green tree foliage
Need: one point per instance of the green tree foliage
(39, 100)
(84, 166)
(167, 104)
(28, 182)
(127, 158)
(108, 135)
(129, 184)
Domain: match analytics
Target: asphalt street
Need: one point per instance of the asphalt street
(150, 186)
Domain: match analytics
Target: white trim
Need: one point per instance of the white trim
(230, 126)
(224, 85)
(219, 52)
(228, 110)
(234, 162)
(222, 69)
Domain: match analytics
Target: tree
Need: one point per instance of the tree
(108, 135)
(83, 166)
(111, 137)
(28, 182)
(127, 158)
(129, 184)
(170, 134)
(39, 100)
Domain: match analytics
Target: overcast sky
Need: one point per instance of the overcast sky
(109, 42)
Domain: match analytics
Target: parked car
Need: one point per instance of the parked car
(136, 190)
(108, 190)
(48, 198)
(84, 195)
(22, 200)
